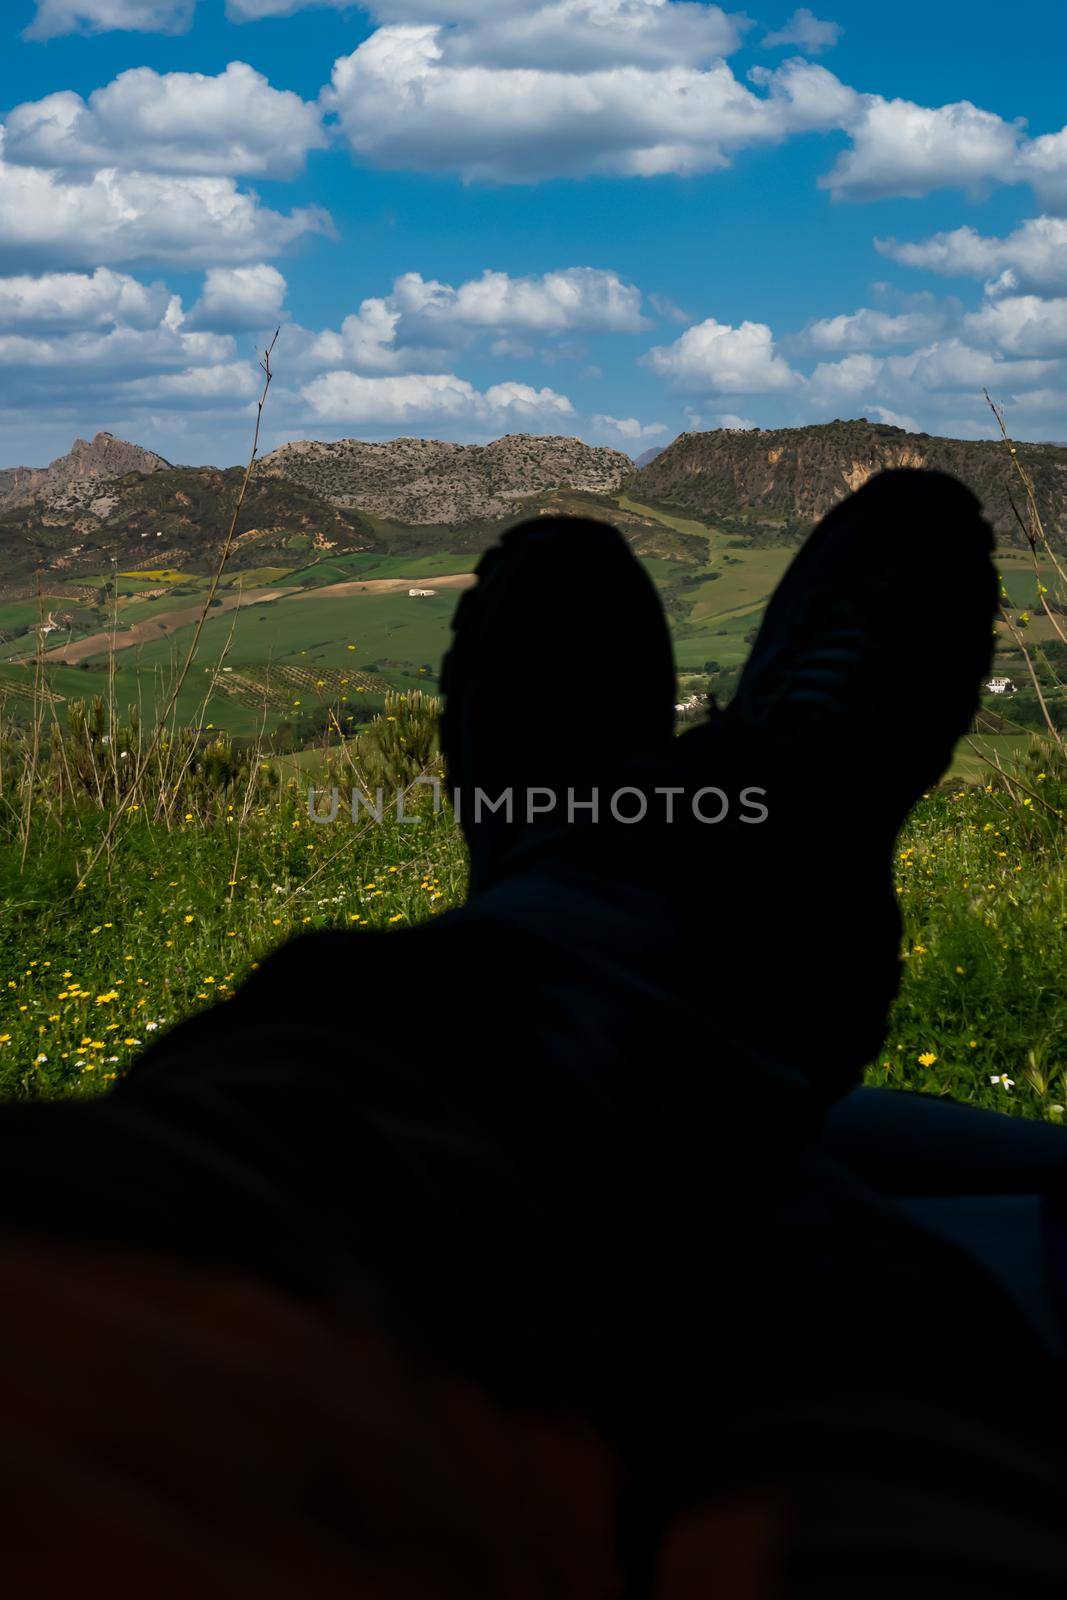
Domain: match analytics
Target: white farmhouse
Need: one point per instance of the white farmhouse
(1000, 686)
(419, 593)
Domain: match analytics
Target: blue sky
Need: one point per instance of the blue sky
(612, 218)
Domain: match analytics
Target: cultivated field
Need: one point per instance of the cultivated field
(348, 623)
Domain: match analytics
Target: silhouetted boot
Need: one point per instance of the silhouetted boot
(560, 669)
(865, 673)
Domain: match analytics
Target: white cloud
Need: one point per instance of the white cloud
(1034, 255)
(115, 217)
(69, 301)
(1038, 400)
(422, 322)
(1044, 165)
(181, 122)
(717, 358)
(521, 90)
(196, 388)
(630, 428)
(718, 419)
(428, 397)
(366, 339)
(421, 97)
(868, 329)
(847, 379)
(952, 364)
(592, 35)
(903, 149)
(113, 353)
(894, 419)
(55, 17)
(558, 302)
(106, 341)
(806, 31)
(899, 148)
(240, 297)
(1021, 325)
(930, 381)
(571, 34)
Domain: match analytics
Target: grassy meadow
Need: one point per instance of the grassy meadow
(185, 901)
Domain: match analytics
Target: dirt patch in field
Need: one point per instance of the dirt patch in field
(454, 580)
(95, 644)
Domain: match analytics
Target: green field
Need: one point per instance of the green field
(714, 587)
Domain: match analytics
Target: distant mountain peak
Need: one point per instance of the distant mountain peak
(86, 463)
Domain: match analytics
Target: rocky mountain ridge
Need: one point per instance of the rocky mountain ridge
(73, 481)
(792, 476)
(423, 482)
(108, 497)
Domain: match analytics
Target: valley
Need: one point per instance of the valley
(107, 561)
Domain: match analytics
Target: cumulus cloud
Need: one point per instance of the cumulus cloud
(113, 353)
(239, 297)
(731, 421)
(932, 380)
(113, 343)
(869, 329)
(196, 388)
(422, 97)
(595, 35)
(953, 364)
(1043, 163)
(55, 17)
(717, 358)
(895, 419)
(1021, 325)
(69, 301)
(181, 122)
(422, 321)
(902, 149)
(847, 379)
(899, 148)
(1030, 401)
(429, 397)
(570, 34)
(114, 217)
(630, 428)
(1033, 256)
(639, 88)
(806, 31)
(510, 91)
(557, 302)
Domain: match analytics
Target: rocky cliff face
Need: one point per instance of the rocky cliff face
(73, 480)
(796, 474)
(425, 482)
